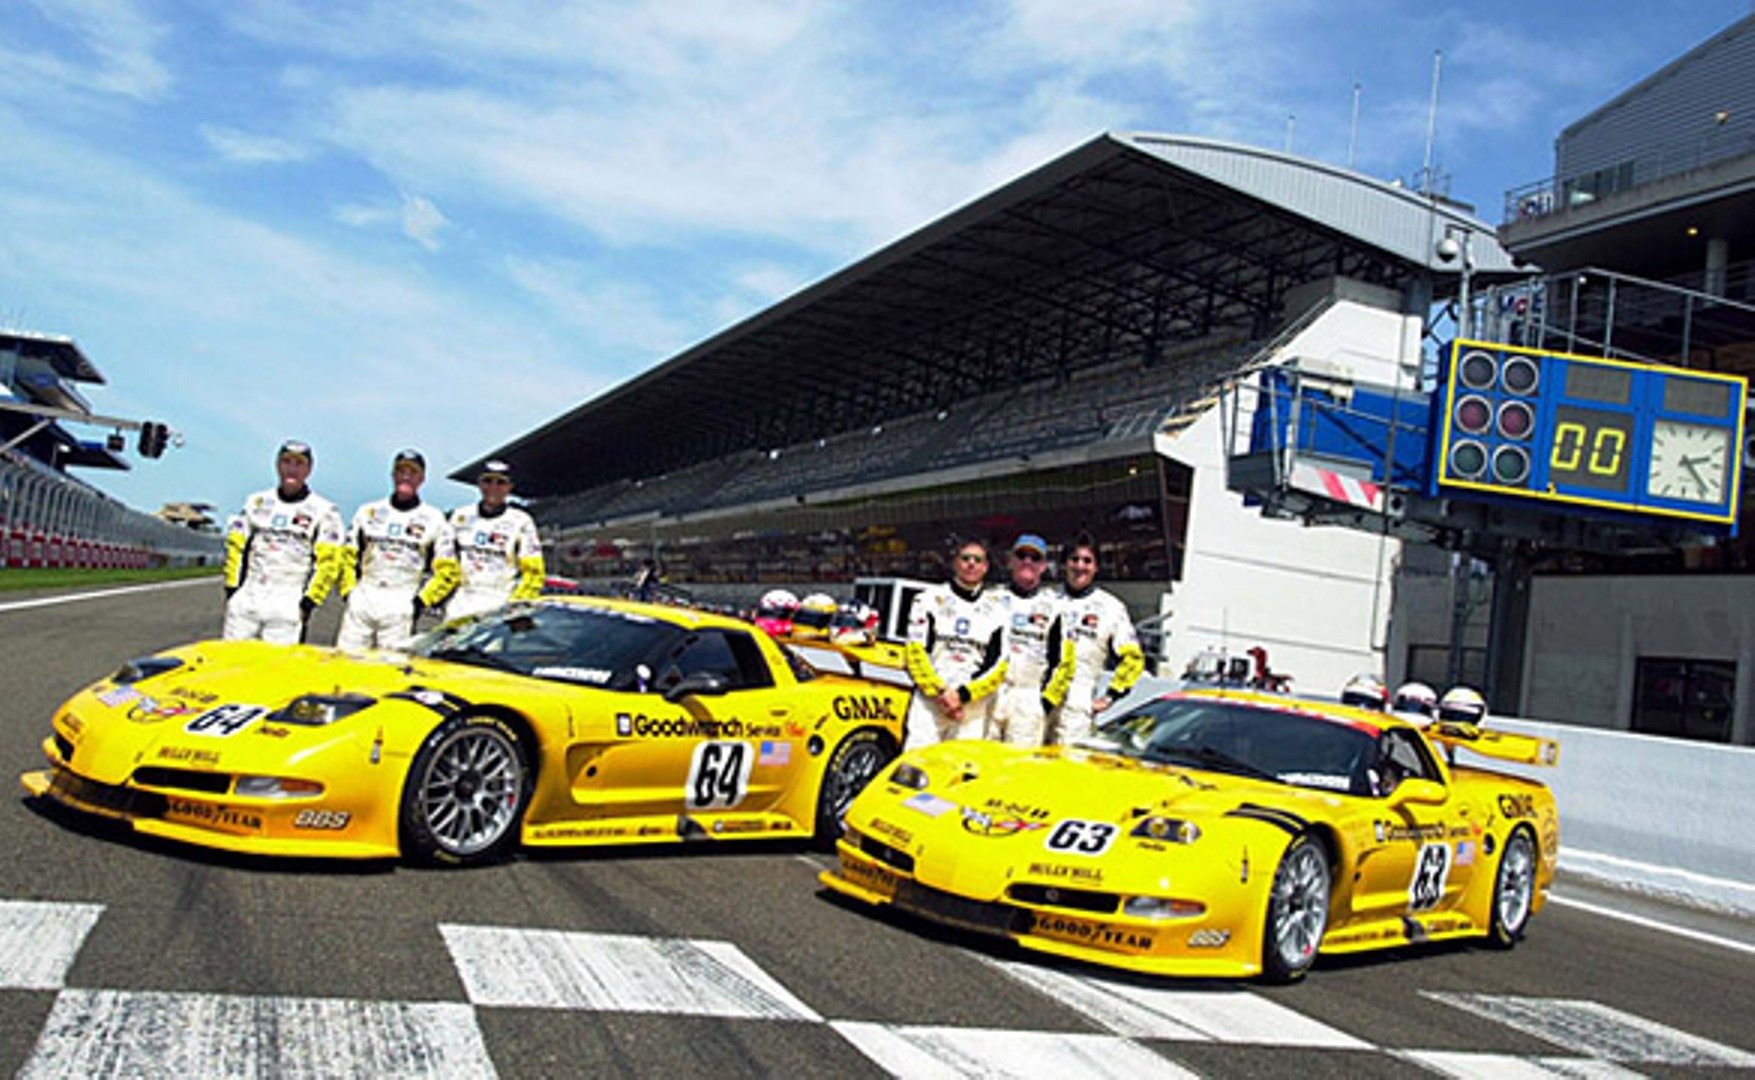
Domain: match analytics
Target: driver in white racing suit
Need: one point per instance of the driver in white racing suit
(390, 547)
(955, 636)
(498, 550)
(282, 554)
(1102, 635)
(1039, 661)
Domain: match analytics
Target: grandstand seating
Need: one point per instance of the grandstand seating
(50, 519)
(1112, 403)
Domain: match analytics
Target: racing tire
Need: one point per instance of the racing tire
(857, 760)
(1297, 911)
(1514, 890)
(465, 793)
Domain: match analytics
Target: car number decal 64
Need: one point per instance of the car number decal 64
(719, 774)
(223, 720)
(1431, 870)
(1075, 837)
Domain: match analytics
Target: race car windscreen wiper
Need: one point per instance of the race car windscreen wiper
(1207, 757)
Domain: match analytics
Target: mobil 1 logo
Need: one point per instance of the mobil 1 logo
(719, 775)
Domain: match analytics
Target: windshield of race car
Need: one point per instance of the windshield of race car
(586, 645)
(1296, 748)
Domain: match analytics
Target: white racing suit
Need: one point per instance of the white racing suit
(500, 557)
(955, 641)
(382, 568)
(1039, 667)
(278, 553)
(1102, 635)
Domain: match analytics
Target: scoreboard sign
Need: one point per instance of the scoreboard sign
(1638, 438)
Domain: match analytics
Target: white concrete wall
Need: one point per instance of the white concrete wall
(1317, 599)
(1586, 634)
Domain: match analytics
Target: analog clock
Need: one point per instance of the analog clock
(1688, 462)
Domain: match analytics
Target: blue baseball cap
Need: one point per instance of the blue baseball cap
(1031, 542)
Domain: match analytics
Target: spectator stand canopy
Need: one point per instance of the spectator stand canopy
(1126, 246)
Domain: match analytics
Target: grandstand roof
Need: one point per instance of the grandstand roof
(58, 352)
(1120, 247)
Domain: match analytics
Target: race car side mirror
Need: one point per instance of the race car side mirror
(1418, 793)
(699, 684)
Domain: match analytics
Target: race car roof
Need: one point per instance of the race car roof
(1121, 246)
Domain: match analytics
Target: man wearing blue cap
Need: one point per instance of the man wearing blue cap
(498, 549)
(1039, 662)
(391, 546)
(282, 553)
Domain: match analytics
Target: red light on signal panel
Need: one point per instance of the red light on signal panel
(1474, 415)
(1516, 420)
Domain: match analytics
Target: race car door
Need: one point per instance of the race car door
(1422, 852)
(727, 746)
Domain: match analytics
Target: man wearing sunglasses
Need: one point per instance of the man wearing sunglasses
(1101, 636)
(955, 637)
(1039, 665)
(497, 548)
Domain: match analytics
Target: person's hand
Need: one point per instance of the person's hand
(230, 590)
(950, 703)
(306, 606)
(419, 608)
(1099, 704)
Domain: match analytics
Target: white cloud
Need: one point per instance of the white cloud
(422, 221)
(247, 149)
(116, 53)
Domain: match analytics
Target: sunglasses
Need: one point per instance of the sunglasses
(1026, 556)
(1078, 560)
(496, 481)
(971, 558)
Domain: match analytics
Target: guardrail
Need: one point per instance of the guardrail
(1654, 815)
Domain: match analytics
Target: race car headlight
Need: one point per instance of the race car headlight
(144, 667)
(1159, 907)
(316, 710)
(912, 777)
(277, 787)
(1169, 830)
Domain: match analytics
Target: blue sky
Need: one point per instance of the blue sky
(382, 223)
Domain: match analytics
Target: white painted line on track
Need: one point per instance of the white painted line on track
(1148, 1012)
(1467, 1065)
(953, 1052)
(1654, 924)
(1596, 1030)
(39, 940)
(157, 1034)
(99, 594)
(554, 969)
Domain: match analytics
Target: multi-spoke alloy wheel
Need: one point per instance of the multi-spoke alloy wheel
(466, 791)
(1514, 890)
(1297, 911)
(859, 758)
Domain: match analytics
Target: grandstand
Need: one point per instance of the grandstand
(49, 518)
(1047, 357)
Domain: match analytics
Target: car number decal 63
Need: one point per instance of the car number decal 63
(223, 720)
(719, 774)
(1075, 837)
(1431, 870)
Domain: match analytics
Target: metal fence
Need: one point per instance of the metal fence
(48, 519)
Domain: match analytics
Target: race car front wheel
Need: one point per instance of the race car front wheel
(1297, 913)
(856, 760)
(465, 792)
(1514, 889)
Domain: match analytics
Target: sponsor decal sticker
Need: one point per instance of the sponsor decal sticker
(775, 753)
(929, 804)
(1208, 939)
(891, 832)
(1085, 932)
(322, 819)
(1517, 807)
(593, 676)
(223, 721)
(1090, 875)
(864, 707)
(1465, 852)
(189, 754)
(220, 818)
(118, 695)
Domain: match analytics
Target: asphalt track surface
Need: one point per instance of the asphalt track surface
(120, 956)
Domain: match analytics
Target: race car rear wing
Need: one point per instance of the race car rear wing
(1503, 745)
(880, 662)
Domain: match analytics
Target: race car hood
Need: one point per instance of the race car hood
(224, 707)
(1016, 787)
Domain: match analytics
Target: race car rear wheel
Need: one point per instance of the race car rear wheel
(856, 760)
(1514, 890)
(1297, 913)
(465, 792)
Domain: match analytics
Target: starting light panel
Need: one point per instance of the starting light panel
(1637, 438)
